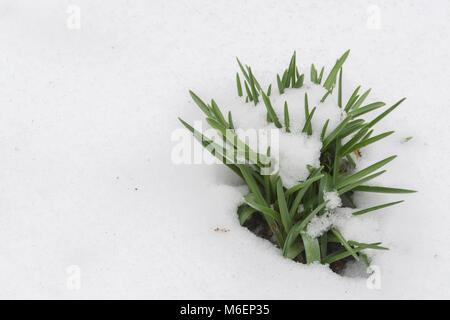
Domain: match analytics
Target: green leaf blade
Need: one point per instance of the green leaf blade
(360, 212)
(331, 79)
(284, 213)
(378, 189)
(270, 110)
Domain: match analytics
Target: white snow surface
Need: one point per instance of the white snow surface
(333, 216)
(337, 218)
(85, 131)
(333, 198)
(296, 151)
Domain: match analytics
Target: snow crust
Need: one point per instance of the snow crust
(320, 224)
(334, 216)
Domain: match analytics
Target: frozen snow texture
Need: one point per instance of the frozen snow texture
(333, 198)
(323, 223)
(333, 216)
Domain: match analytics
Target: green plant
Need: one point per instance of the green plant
(279, 206)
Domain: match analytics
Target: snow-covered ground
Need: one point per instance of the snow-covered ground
(91, 204)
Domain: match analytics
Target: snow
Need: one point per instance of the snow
(89, 192)
(299, 150)
(334, 216)
(296, 152)
(337, 218)
(333, 198)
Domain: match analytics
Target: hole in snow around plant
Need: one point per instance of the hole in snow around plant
(298, 151)
(345, 267)
(355, 269)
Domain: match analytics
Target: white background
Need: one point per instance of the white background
(86, 117)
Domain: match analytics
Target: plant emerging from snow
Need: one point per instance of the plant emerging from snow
(300, 203)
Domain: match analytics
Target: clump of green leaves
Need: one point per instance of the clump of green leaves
(286, 212)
